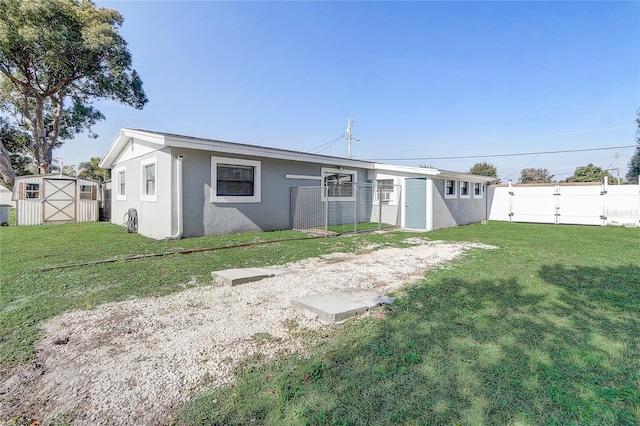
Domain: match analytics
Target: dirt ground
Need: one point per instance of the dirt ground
(138, 361)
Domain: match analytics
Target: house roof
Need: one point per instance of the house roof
(191, 142)
(431, 171)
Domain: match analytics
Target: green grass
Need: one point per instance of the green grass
(545, 330)
(363, 226)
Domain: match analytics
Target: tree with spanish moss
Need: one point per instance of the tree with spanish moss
(56, 58)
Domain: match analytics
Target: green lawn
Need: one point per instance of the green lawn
(544, 330)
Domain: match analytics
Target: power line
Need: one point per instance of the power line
(503, 155)
(575, 132)
(326, 145)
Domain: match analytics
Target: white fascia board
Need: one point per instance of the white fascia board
(222, 147)
(467, 177)
(259, 151)
(430, 171)
(122, 139)
(422, 171)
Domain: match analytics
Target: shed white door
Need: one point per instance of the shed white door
(59, 200)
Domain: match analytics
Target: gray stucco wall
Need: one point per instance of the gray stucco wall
(204, 217)
(449, 212)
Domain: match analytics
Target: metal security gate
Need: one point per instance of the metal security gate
(353, 208)
(59, 200)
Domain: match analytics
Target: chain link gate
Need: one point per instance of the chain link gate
(354, 207)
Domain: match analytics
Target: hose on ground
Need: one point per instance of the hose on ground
(131, 220)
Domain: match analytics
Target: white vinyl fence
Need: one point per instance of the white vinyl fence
(566, 203)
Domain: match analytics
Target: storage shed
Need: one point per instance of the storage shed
(55, 198)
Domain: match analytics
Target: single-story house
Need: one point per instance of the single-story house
(182, 186)
(55, 198)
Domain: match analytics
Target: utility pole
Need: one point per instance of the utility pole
(350, 122)
(618, 166)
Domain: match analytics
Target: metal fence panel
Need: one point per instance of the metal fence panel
(357, 209)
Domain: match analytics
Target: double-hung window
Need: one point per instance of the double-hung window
(477, 190)
(120, 183)
(464, 190)
(149, 179)
(235, 180)
(450, 189)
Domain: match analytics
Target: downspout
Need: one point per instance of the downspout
(179, 207)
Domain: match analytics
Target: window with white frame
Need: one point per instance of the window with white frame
(148, 179)
(450, 189)
(338, 183)
(32, 191)
(478, 189)
(120, 183)
(464, 190)
(235, 180)
(86, 192)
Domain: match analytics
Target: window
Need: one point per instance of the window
(477, 190)
(86, 192)
(464, 190)
(235, 180)
(122, 183)
(384, 190)
(32, 191)
(338, 183)
(449, 188)
(148, 179)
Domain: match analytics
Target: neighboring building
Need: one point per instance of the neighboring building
(181, 186)
(5, 197)
(55, 198)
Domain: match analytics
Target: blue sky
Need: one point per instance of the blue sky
(422, 80)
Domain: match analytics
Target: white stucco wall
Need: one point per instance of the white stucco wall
(154, 213)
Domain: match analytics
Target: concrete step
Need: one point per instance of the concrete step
(246, 275)
(337, 306)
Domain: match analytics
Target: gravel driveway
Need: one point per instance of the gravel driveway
(136, 362)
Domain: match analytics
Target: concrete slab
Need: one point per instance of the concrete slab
(337, 306)
(246, 275)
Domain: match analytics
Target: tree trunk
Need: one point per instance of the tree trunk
(7, 174)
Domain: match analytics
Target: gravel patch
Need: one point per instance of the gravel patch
(136, 362)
